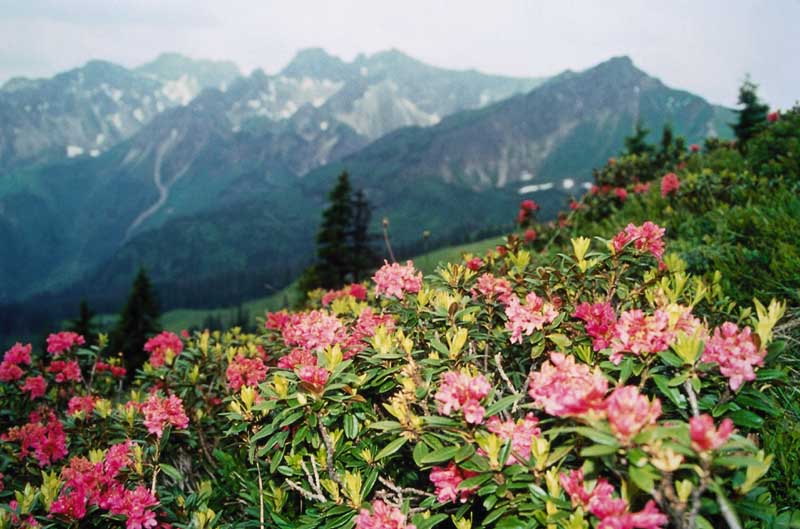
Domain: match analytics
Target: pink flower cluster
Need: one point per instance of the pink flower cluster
(65, 371)
(669, 184)
(492, 288)
(566, 389)
(600, 319)
(532, 316)
(475, 264)
(277, 321)
(395, 280)
(629, 412)
(104, 367)
(44, 435)
(641, 188)
(705, 437)
(638, 333)
(313, 330)
(160, 412)
(645, 238)
(81, 404)
(735, 352)
(243, 371)
(63, 341)
(357, 290)
(297, 358)
(363, 329)
(36, 386)
(313, 377)
(382, 517)
(613, 513)
(446, 481)
(461, 391)
(10, 369)
(160, 345)
(521, 433)
(100, 485)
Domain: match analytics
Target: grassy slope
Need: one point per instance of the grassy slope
(178, 319)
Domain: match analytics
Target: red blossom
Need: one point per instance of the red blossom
(735, 352)
(475, 264)
(705, 437)
(461, 391)
(629, 412)
(532, 316)
(163, 346)
(36, 386)
(395, 280)
(382, 517)
(446, 481)
(565, 389)
(599, 319)
(243, 371)
(160, 412)
(669, 184)
(63, 341)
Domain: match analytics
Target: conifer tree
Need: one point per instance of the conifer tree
(334, 256)
(344, 252)
(637, 143)
(752, 116)
(138, 321)
(363, 256)
(83, 324)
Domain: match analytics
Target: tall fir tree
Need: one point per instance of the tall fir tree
(363, 256)
(637, 143)
(334, 257)
(344, 244)
(138, 321)
(752, 115)
(83, 324)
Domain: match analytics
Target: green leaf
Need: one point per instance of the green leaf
(442, 454)
(502, 404)
(598, 450)
(643, 478)
(171, 471)
(385, 425)
(747, 419)
(426, 523)
(391, 448)
(474, 481)
(597, 436)
(350, 426)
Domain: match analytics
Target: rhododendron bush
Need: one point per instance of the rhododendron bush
(606, 388)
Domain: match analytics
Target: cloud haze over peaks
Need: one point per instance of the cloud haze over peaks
(703, 47)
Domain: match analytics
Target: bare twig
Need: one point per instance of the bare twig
(260, 496)
(330, 449)
(386, 239)
(306, 494)
(687, 385)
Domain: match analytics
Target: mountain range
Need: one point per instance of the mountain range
(206, 176)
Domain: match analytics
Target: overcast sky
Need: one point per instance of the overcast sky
(705, 47)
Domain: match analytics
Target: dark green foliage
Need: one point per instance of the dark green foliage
(752, 116)
(363, 256)
(333, 240)
(138, 322)
(344, 250)
(83, 324)
(637, 143)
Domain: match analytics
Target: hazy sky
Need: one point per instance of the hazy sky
(706, 47)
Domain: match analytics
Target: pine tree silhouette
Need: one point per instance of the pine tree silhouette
(138, 321)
